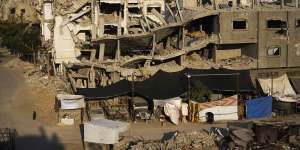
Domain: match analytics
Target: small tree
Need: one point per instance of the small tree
(199, 92)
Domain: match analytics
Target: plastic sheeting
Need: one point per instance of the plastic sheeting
(71, 101)
(259, 107)
(280, 86)
(104, 131)
(220, 113)
(171, 106)
(164, 85)
(224, 109)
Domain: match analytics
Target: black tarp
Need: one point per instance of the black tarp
(164, 85)
(120, 88)
(222, 79)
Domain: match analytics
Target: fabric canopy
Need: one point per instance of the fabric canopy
(259, 107)
(162, 85)
(222, 79)
(165, 85)
(120, 88)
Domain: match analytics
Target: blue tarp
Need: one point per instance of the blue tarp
(259, 107)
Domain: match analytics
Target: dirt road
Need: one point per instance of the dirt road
(16, 106)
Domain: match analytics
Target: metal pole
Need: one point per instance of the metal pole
(272, 83)
(189, 97)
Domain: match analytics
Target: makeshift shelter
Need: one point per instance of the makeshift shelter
(259, 107)
(224, 109)
(222, 79)
(171, 107)
(71, 108)
(104, 131)
(277, 87)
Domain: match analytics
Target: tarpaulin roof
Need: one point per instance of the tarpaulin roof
(222, 79)
(259, 107)
(120, 88)
(164, 85)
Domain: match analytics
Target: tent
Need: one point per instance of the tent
(224, 109)
(277, 87)
(259, 107)
(165, 85)
(222, 79)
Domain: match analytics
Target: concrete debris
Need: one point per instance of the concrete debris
(199, 140)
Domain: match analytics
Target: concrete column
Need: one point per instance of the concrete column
(125, 16)
(282, 4)
(182, 59)
(297, 3)
(101, 52)
(93, 55)
(118, 52)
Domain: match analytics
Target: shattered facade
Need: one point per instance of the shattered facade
(120, 37)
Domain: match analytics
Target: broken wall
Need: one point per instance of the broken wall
(272, 43)
(294, 38)
(238, 27)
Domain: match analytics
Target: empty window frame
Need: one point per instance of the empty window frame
(297, 23)
(239, 24)
(275, 24)
(274, 51)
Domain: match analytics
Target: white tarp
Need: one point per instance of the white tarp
(290, 98)
(104, 131)
(220, 113)
(185, 109)
(281, 86)
(171, 106)
(71, 101)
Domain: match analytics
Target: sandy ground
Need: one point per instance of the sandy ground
(18, 100)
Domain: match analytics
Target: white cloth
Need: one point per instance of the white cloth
(185, 109)
(104, 131)
(71, 101)
(281, 86)
(171, 106)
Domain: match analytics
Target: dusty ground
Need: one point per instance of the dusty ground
(17, 102)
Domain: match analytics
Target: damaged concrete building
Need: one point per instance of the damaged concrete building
(107, 40)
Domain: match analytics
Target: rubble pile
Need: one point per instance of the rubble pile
(242, 62)
(38, 76)
(199, 140)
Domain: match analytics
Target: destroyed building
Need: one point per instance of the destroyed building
(119, 38)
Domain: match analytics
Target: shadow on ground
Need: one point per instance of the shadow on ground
(34, 142)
